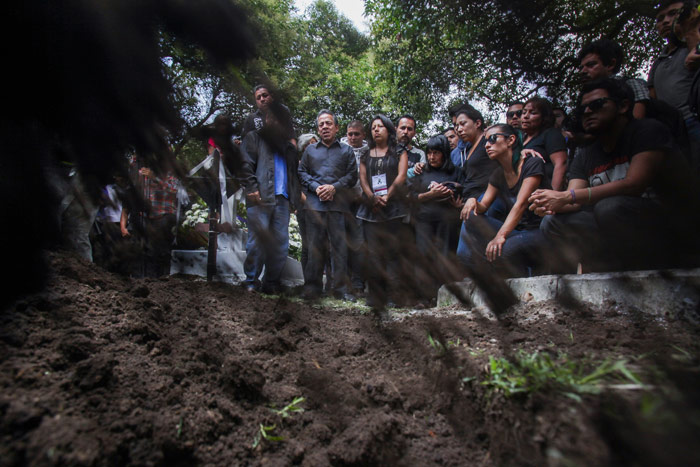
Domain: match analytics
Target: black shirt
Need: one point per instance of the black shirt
(532, 167)
(598, 167)
(388, 165)
(547, 143)
(435, 210)
(476, 172)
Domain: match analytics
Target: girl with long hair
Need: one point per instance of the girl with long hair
(513, 246)
(383, 179)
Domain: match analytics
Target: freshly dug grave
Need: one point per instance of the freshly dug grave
(105, 370)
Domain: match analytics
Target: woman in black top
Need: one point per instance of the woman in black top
(383, 179)
(477, 167)
(537, 123)
(436, 193)
(513, 245)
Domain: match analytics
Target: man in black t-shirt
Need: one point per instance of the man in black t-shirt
(624, 198)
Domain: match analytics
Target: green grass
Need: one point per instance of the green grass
(532, 372)
(267, 432)
(436, 345)
(291, 408)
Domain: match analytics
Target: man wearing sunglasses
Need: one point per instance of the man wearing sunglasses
(513, 114)
(611, 214)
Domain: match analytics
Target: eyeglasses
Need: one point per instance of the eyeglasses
(514, 113)
(493, 137)
(594, 105)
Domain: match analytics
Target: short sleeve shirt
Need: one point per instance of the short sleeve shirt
(476, 171)
(598, 167)
(672, 80)
(532, 167)
(547, 143)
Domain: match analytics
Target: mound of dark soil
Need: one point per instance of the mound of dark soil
(104, 370)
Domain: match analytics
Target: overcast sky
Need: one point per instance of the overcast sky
(353, 9)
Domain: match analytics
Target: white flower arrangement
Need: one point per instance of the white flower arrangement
(294, 238)
(198, 213)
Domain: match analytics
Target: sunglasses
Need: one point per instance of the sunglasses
(493, 137)
(514, 113)
(594, 105)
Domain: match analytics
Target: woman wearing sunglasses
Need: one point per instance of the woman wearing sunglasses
(513, 246)
(436, 194)
(537, 122)
(382, 178)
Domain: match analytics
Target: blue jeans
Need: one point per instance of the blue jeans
(497, 210)
(521, 252)
(268, 241)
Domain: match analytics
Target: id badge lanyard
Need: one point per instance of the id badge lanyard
(379, 186)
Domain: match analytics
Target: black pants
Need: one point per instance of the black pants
(618, 233)
(322, 227)
(383, 260)
(436, 241)
(158, 242)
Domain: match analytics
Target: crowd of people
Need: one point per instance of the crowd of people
(612, 186)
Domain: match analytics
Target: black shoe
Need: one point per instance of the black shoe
(391, 304)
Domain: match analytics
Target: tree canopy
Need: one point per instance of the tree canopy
(500, 50)
(421, 56)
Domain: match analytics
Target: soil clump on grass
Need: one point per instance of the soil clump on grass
(104, 370)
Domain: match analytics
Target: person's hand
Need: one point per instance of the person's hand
(540, 211)
(125, 232)
(457, 202)
(303, 197)
(544, 202)
(418, 168)
(440, 191)
(692, 60)
(468, 209)
(495, 248)
(254, 197)
(146, 172)
(530, 153)
(325, 192)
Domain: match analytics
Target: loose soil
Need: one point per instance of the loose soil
(104, 370)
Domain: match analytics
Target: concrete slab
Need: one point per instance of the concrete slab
(662, 293)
